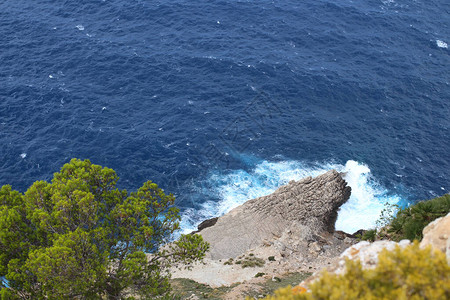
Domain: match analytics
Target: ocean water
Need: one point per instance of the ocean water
(222, 101)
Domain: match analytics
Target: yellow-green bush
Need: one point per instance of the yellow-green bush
(405, 273)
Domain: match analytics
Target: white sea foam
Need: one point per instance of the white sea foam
(360, 212)
(80, 27)
(441, 44)
(366, 201)
(23, 155)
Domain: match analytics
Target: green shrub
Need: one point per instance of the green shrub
(250, 262)
(410, 222)
(369, 235)
(247, 261)
(271, 258)
(407, 223)
(80, 237)
(404, 273)
(387, 214)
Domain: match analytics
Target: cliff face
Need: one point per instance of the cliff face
(437, 234)
(302, 209)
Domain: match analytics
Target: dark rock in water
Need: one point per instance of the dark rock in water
(206, 224)
(301, 208)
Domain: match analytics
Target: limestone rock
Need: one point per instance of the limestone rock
(299, 209)
(367, 253)
(437, 234)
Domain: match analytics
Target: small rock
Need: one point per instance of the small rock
(348, 240)
(274, 278)
(340, 235)
(403, 243)
(314, 248)
(206, 224)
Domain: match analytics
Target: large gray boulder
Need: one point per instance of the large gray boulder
(304, 207)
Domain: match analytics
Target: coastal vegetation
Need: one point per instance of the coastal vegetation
(408, 223)
(404, 273)
(249, 261)
(80, 237)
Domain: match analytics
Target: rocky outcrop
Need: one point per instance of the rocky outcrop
(437, 234)
(301, 210)
(366, 252)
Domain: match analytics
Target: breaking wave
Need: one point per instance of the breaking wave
(230, 190)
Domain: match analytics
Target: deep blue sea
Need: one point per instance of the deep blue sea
(222, 101)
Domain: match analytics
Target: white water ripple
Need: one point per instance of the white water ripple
(361, 211)
(441, 44)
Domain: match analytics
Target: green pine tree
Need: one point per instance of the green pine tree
(81, 237)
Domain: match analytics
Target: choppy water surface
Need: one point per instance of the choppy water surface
(221, 101)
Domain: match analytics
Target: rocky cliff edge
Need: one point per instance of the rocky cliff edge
(304, 208)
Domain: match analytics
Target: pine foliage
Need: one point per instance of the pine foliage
(80, 237)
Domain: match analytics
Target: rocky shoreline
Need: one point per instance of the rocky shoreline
(299, 211)
(289, 231)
